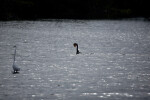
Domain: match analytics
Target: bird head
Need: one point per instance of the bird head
(75, 44)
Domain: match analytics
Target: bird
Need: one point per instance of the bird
(76, 45)
(15, 68)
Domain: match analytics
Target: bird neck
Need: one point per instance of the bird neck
(13, 63)
(77, 50)
(15, 55)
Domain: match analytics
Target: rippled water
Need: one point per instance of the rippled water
(114, 64)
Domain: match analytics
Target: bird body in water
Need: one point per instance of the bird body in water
(76, 45)
(15, 68)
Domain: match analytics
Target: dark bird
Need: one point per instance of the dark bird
(15, 68)
(76, 45)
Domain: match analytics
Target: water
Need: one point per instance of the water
(114, 64)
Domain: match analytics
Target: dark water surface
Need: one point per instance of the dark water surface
(114, 64)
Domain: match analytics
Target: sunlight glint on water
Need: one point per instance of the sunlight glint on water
(114, 63)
